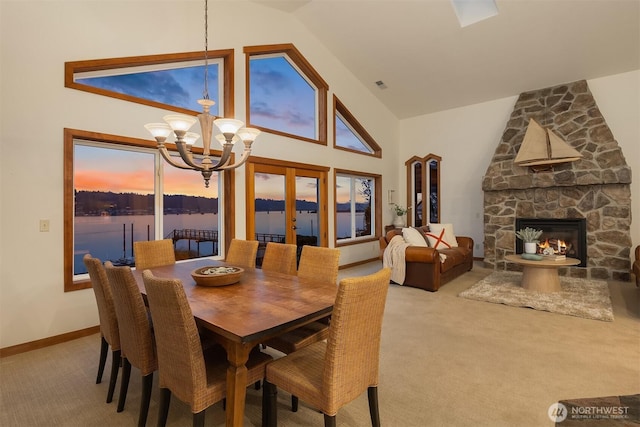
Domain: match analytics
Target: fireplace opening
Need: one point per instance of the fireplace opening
(564, 236)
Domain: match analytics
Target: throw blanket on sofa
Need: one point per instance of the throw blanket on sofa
(393, 257)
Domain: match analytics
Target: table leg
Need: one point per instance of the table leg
(541, 279)
(237, 355)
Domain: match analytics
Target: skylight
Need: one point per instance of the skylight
(472, 11)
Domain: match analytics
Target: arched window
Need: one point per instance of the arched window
(423, 189)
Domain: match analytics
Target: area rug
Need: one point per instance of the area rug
(588, 299)
(623, 411)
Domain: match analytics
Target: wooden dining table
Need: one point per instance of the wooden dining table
(261, 305)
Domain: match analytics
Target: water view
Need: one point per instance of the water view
(111, 237)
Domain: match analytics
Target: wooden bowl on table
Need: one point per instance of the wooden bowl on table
(217, 275)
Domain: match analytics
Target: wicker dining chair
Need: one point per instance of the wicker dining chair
(109, 332)
(280, 257)
(153, 253)
(196, 377)
(328, 375)
(242, 253)
(316, 263)
(136, 336)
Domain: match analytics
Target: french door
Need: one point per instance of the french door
(286, 203)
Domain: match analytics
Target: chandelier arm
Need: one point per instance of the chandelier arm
(187, 157)
(242, 161)
(224, 158)
(169, 159)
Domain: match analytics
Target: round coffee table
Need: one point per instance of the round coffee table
(541, 276)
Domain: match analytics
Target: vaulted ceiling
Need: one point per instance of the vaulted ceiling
(429, 63)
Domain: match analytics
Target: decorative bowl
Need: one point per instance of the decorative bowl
(532, 257)
(217, 275)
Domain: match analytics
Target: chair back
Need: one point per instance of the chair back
(104, 300)
(242, 253)
(319, 263)
(353, 347)
(136, 336)
(280, 257)
(153, 253)
(181, 366)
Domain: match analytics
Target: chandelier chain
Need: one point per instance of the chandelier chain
(205, 94)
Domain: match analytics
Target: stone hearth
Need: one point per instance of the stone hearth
(596, 187)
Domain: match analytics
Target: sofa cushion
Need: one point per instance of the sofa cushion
(414, 237)
(441, 236)
(453, 257)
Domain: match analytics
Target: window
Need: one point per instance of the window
(349, 134)
(172, 82)
(285, 95)
(118, 190)
(358, 211)
(423, 176)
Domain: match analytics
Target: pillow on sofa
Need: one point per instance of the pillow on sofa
(441, 236)
(413, 237)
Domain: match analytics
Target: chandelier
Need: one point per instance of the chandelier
(231, 131)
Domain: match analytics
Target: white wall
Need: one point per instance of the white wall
(467, 137)
(36, 107)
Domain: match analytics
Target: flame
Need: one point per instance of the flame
(560, 247)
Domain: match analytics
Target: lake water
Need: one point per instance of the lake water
(111, 237)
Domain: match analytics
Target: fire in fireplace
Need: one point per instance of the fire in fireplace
(564, 236)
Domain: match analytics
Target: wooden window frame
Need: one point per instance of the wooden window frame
(360, 131)
(297, 58)
(73, 67)
(424, 161)
(70, 135)
(377, 230)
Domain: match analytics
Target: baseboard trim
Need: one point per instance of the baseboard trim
(366, 261)
(46, 342)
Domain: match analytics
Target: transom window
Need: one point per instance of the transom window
(172, 82)
(285, 95)
(350, 135)
(358, 210)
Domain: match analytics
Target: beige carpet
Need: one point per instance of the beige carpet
(444, 361)
(588, 299)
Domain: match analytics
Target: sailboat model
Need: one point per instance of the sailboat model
(541, 147)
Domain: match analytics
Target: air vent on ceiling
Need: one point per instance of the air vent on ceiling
(381, 84)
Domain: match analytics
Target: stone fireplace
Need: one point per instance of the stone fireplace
(595, 189)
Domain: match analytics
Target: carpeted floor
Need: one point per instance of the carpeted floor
(444, 361)
(588, 299)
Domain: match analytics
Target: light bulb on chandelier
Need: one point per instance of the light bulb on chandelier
(231, 130)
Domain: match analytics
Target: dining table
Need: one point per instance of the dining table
(261, 305)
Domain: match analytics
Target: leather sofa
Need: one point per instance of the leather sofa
(423, 267)
(636, 266)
